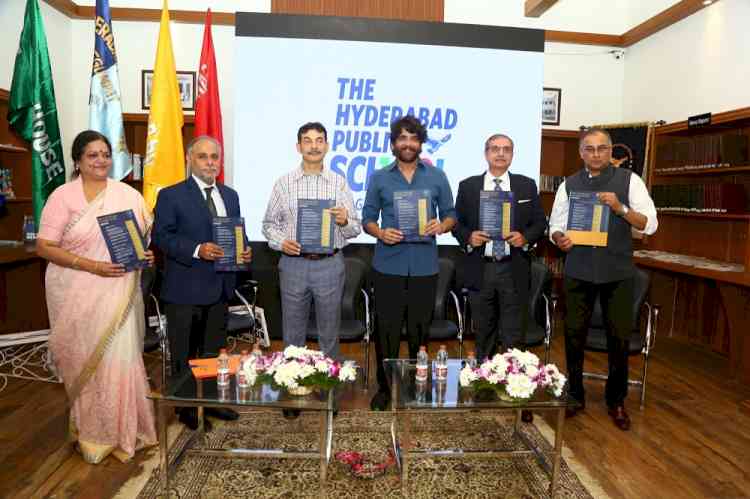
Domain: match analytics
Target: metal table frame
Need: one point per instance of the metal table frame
(163, 403)
(403, 446)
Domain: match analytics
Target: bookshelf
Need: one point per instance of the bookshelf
(559, 159)
(136, 125)
(22, 304)
(688, 167)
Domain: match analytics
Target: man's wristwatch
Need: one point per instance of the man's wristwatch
(624, 211)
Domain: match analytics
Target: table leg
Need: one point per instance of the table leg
(557, 454)
(406, 445)
(161, 413)
(199, 395)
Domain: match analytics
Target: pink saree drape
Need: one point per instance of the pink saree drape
(98, 326)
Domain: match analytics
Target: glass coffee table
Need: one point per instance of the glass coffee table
(186, 391)
(408, 397)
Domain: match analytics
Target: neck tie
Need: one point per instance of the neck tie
(209, 201)
(498, 247)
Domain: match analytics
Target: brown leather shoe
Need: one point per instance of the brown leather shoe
(620, 417)
(527, 416)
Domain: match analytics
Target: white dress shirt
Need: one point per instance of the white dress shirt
(221, 209)
(280, 220)
(638, 198)
(489, 185)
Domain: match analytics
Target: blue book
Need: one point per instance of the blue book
(413, 210)
(588, 219)
(496, 213)
(315, 225)
(229, 233)
(124, 239)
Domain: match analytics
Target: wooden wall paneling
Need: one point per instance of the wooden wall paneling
(664, 19)
(535, 8)
(414, 10)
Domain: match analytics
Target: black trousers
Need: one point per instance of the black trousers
(617, 308)
(501, 317)
(396, 296)
(193, 331)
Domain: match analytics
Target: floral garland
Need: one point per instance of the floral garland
(299, 366)
(515, 375)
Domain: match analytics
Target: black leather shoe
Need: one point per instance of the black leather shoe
(380, 401)
(620, 417)
(221, 413)
(290, 413)
(527, 416)
(189, 417)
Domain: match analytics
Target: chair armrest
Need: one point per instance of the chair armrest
(368, 318)
(459, 314)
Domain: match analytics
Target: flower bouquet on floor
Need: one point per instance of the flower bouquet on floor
(299, 370)
(515, 376)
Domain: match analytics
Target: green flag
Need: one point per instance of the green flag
(32, 111)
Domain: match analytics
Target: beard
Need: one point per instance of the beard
(407, 154)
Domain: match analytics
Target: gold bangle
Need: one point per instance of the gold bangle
(75, 260)
(96, 267)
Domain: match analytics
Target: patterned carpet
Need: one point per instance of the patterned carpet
(368, 433)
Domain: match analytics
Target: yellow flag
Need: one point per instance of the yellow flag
(165, 160)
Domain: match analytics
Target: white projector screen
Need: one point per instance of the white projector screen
(355, 76)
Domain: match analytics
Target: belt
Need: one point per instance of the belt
(491, 259)
(318, 256)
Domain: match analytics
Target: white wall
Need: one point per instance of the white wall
(694, 66)
(57, 29)
(697, 65)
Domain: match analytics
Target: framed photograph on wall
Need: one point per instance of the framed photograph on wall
(185, 82)
(551, 106)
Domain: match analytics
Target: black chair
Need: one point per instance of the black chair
(443, 326)
(243, 319)
(155, 337)
(643, 337)
(541, 310)
(356, 316)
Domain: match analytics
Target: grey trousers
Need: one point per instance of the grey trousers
(319, 282)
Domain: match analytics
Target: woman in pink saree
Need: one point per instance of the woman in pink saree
(96, 308)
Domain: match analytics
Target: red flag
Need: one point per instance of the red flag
(207, 104)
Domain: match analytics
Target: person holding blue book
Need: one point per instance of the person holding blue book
(498, 266)
(604, 271)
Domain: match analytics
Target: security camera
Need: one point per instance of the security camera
(618, 53)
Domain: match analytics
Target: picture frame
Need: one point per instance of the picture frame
(185, 82)
(551, 106)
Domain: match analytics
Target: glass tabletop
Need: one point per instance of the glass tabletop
(189, 390)
(448, 394)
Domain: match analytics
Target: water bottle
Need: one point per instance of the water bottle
(29, 229)
(222, 368)
(257, 354)
(441, 364)
(242, 380)
(423, 364)
(471, 360)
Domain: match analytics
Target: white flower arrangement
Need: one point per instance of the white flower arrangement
(515, 375)
(297, 367)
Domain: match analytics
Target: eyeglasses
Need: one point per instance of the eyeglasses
(500, 149)
(599, 149)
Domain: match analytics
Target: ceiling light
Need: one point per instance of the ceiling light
(707, 2)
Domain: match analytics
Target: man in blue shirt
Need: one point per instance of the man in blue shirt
(406, 273)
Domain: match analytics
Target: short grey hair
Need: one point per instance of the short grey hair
(201, 138)
(497, 136)
(593, 131)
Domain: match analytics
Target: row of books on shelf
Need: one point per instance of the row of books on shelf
(549, 183)
(700, 198)
(680, 154)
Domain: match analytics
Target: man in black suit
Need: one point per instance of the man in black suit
(497, 273)
(195, 294)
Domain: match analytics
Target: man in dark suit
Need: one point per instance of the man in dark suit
(497, 273)
(195, 294)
